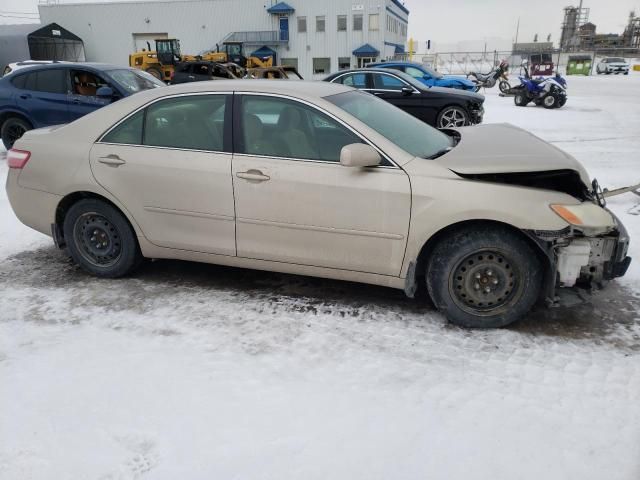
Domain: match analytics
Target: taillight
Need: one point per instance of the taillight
(17, 158)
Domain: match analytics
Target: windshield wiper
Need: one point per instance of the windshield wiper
(439, 153)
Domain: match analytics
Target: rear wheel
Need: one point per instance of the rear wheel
(451, 117)
(484, 277)
(12, 129)
(504, 86)
(100, 239)
(551, 101)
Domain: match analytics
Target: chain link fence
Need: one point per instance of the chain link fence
(461, 63)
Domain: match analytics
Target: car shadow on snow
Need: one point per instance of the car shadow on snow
(612, 315)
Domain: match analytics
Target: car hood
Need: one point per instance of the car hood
(486, 150)
(459, 80)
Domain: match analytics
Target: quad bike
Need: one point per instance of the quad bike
(489, 80)
(550, 92)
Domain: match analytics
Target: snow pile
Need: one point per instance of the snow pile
(196, 371)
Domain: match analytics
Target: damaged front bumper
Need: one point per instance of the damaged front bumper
(580, 259)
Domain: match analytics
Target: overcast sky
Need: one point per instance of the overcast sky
(460, 22)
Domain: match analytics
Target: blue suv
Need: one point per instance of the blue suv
(426, 75)
(45, 95)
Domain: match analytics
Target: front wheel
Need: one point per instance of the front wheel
(521, 99)
(504, 86)
(100, 239)
(12, 129)
(451, 117)
(484, 277)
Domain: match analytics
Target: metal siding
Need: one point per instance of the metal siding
(107, 28)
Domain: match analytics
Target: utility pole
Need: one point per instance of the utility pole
(517, 30)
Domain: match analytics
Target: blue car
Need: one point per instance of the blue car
(55, 93)
(428, 76)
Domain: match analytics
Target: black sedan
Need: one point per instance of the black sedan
(437, 106)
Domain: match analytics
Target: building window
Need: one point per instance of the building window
(344, 63)
(290, 62)
(357, 22)
(321, 65)
(374, 20)
(320, 24)
(302, 24)
(342, 23)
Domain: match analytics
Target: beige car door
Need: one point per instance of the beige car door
(296, 203)
(174, 174)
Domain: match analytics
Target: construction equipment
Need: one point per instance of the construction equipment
(161, 62)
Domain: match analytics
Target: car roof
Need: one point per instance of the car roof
(404, 63)
(90, 65)
(313, 89)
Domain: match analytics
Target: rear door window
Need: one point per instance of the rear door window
(128, 132)
(48, 81)
(194, 122)
(383, 81)
(356, 80)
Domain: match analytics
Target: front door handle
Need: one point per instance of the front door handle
(25, 96)
(253, 176)
(112, 160)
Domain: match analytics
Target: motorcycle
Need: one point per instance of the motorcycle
(550, 92)
(489, 80)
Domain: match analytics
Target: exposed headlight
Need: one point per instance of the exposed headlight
(584, 215)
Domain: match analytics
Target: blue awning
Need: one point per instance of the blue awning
(281, 7)
(366, 50)
(399, 49)
(264, 51)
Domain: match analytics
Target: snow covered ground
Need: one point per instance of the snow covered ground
(196, 371)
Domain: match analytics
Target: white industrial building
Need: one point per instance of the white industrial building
(319, 37)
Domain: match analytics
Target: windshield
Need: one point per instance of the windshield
(432, 72)
(134, 81)
(615, 60)
(406, 131)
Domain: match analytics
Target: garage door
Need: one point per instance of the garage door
(140, 40)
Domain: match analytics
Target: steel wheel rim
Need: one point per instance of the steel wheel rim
(452, 117)
(485, 283)
(14, 132)
(97, 239)
(549, 100)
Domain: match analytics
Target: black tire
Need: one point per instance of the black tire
(494, 258)
(12, 129)
(100, 239)
(504, 86)
(452, 116)
(626, 73)
(155, 72)
(521, 99)
(550, 101)
(562, 100)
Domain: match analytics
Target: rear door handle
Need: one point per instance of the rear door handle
(112, 160)
(253, 176)
(24, 96)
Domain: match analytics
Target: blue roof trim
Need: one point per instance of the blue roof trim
(401, 6)
(366, 50)
(281, 7)
(263, 51)
(397, 45)
(396, 15)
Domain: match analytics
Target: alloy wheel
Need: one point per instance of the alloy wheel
(452, 117)
(15, 132)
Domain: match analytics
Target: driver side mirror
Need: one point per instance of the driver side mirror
(407, 91)
(105, 92)
(359, 155)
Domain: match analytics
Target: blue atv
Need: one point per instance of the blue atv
(550, 92)
(428, 76)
